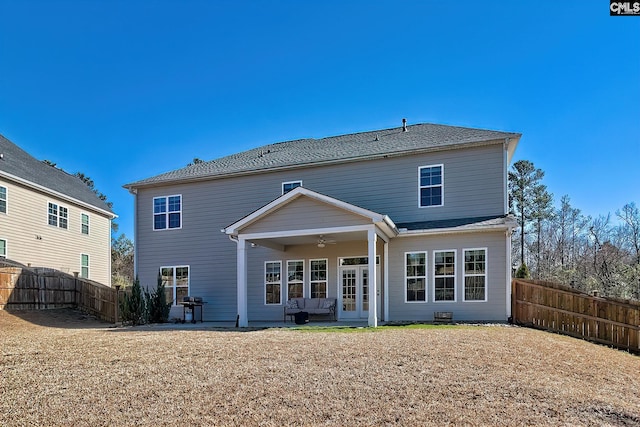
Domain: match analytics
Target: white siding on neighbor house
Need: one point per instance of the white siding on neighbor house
(473, 187)
(33, 241)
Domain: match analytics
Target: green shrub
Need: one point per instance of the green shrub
(523, 272)
(133, 305)
(157, 303)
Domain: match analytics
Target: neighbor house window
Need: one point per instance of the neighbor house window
(272, 282)
(295, 279)
(85, 223)
(444, 276)
(475, 275)
(3, 248)
(288, 186)
(431, 191)
(84, 266)
(167, 212)
(3, 200)
(176, 283)
(416, 276)
(318, 278)
(58, 216)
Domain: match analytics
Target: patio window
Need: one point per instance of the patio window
(288, 186)
(431, 186)
(58, 216)
(167, 212)
(295, 279)
(416, 276)
(176, 282)
(475, 274)
(84, 266)
(318, 278)
(85, 223)
(3, 199)
(444, 276)
(272, 282)
(3, 248)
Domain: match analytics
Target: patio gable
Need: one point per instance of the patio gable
(303, 211)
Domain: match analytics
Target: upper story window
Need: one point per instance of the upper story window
(288, 186)
(58, 216)
(3, 199)
(3, 248)
(431, 188)
(167, 212)
(85, 223)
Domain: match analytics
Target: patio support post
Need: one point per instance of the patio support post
(243, 321)
(372, 238)
(385, 303)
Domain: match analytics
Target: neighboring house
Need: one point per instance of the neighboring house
(303, 218)
(51, 219)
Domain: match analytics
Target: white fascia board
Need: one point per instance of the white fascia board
(306, 232)
(292, 195)
(454, 230)
(54, 193)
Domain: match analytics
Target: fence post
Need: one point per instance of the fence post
(117, 303)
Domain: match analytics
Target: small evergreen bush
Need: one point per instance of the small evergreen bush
(133, 306)
(157, 303)
(523, 272)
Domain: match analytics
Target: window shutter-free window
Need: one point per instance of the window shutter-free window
(167, 212)
(272, 282)
(3, 200)
(431, 191)
(84, 266)
(475, 275)
(85, 223)
(416, 276)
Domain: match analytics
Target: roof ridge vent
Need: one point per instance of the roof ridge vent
(404, 125)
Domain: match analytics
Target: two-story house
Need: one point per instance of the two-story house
(396, 224)
(49, 218)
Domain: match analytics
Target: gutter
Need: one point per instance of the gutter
(403, 232)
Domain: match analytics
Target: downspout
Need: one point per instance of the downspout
(134, 192)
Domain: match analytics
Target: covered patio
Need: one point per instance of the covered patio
(304, 218)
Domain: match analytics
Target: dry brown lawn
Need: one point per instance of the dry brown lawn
(62, 368)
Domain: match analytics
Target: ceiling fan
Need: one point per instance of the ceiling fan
(322, 241)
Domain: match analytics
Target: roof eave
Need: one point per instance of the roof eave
(59, 195)
(140, 184)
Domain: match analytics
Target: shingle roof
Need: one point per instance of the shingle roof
(19, 163)
(460, 223)
(344, 148)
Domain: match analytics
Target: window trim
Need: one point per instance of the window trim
(441, 185)
(426, 275)
(57, 215)
(301, 282)
(6, 200)
(264, 280)
(83, 214)
(174, 285)
(6, 247)
(291, 182)
(454, 275)
(82, 255)
(166, 214)
(326, 275)
(486, 275)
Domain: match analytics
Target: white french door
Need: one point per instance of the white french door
(354, 288)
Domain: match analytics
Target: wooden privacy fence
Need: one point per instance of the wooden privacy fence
(34, 289)
(568, 311)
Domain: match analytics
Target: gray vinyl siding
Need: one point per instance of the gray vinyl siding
(494, 309)
(474, 185)
(304, 213)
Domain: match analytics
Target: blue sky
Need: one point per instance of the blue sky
(124, 90)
